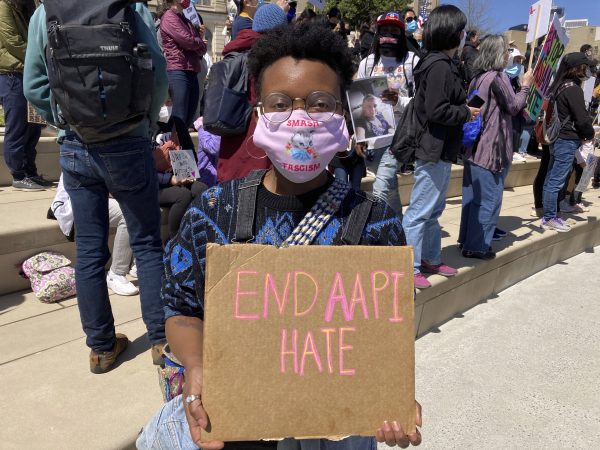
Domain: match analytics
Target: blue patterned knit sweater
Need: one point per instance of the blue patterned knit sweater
(212, 218)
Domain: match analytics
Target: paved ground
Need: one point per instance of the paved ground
(519, 371)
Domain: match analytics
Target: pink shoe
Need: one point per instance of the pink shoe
(421, 282)
(440, 269)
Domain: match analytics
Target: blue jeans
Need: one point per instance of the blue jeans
(385, 187)
(482, 192)
(20, 137)
(352, 176)
(125, 169)
(562, 153)
(185, 93)
(168, 429)
(427, 202)
(524, 140)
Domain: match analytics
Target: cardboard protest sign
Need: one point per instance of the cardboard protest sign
(184, 164)
(371, 112)
(539, 19)
(545, 69)
(307, 341)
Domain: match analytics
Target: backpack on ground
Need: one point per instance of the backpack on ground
(548, 126)
(100, 75)
(51, 275)
(227, 107)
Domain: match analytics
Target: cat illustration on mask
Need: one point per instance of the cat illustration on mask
(300, 146)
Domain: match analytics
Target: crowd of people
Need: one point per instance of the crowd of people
(299, 155)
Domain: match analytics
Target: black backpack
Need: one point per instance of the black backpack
(227, 107)
(100, 75)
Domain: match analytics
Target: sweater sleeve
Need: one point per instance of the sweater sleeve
(35, 77)
(438, 108)
(10, 37)
(145, 28)
(511, 102)
(174, 27)
(575, 101)
(185, 257)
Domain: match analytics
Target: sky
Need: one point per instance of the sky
(508, 13)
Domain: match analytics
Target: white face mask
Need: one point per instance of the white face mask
(165, 114)
(463, 40)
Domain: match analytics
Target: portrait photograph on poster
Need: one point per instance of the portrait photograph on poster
(371, 105)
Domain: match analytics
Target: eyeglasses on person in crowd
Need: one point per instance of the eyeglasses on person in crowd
(278, 107)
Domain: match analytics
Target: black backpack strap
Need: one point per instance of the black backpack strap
(247, 192)
(357, 221)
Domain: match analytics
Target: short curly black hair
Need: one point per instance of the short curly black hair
(306, 40)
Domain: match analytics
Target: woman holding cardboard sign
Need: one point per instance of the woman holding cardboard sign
(301, 127)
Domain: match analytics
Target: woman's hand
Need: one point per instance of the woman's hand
(194, 411)
(392, 433)
(184, 182)
(360, 149)
(474, 112)
(527, 78)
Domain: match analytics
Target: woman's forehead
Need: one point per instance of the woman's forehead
(299, 77)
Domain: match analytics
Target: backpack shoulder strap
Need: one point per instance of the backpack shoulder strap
(247, 192)
(357, 221)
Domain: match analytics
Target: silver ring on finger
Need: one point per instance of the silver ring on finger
(192, 398)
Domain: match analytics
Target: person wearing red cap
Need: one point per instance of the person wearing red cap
(390, 58)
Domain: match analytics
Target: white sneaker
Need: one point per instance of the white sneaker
(133, 271)
(565, 207)
(518, 157)
(580, 208)
(556, 224)
(119, 284)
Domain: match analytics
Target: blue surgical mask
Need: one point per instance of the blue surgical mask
(514, 70)
(412, 27)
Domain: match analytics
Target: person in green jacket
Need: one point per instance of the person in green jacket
(124, 168)
(20, 137)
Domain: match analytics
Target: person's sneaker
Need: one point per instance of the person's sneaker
(26, 184)
(566, 207)
(580, 208)
(537, 212)
(440, 269)
(158, 358)
(41, 181)
(479, 255)
(556, 224)
(500, 232)
(133, 271)
(596, 184)
(120, 285)
(421, 282)
(518, 157)
(102, 362)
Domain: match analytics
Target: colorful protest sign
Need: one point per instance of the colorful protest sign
(545, 69)
(541, 11)
(184, 164)
(307, 341)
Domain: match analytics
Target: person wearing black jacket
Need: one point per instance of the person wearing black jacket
(576, 128)
(469, 54)
(440, 111)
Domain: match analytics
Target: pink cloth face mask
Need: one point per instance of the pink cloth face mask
(301, 147)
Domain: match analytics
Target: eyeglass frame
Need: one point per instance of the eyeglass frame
(261, 107)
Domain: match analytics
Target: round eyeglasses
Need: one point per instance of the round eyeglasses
(320, 106)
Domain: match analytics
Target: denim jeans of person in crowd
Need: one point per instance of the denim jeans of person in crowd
(385, 187)
(122, 253)
(482, 192)
(351, 176)
(20, 137)
(168, 429)
(562, 153)
(185, 93)
(125, 169)
(427, 202)
(524, 140)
